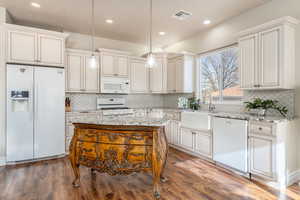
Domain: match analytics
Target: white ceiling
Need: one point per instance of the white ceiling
(131, 16)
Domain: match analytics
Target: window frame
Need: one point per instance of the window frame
(199, 94)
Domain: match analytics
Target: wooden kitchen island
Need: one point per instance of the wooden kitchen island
(120, 147)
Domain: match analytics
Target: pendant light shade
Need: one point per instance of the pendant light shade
(151, 61)
(93, 59)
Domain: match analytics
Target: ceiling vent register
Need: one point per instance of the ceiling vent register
(182, 15)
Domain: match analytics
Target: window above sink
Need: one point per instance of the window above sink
(218, 76)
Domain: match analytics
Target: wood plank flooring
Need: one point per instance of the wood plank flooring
(190, 178)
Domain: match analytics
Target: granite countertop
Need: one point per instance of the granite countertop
(230, 115)
(126, 121)
(245, 116)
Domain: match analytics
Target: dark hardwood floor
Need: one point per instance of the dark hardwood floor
(190, 178)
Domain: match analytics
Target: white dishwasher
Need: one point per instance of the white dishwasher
(230, 142)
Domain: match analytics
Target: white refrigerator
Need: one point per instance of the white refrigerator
(35, 112)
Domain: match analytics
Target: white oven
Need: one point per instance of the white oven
(115, 85)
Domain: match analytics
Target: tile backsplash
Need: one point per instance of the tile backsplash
(81, 102)
(88, 101)
(284, 97)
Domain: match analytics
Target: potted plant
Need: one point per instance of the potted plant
(261, 106)
(194, 103)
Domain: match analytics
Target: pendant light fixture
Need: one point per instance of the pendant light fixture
(93, 58)
(151, 62)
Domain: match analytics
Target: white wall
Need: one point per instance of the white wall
(80, 41)
(2, 88)
(225, 33)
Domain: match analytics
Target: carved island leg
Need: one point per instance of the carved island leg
(74, 164)
(163, 179)
(159, 160)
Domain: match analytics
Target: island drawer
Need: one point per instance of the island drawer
(127, 156)
(115, 137)
(261, 128)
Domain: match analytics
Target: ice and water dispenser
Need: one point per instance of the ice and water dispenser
(19, 101)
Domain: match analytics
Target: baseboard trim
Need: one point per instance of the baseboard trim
(293, 177)
(2, 161)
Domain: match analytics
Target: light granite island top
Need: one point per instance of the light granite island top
(124, 120)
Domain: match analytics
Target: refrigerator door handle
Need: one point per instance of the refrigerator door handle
(35, 114)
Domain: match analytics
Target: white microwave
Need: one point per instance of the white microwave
(113, 85)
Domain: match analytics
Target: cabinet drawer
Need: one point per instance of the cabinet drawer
(115, 137)
(262, 128)
(86, 150)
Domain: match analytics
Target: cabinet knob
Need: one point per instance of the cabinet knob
(260, 128)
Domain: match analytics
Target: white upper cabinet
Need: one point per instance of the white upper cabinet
(107, 65)
(114, 63)
(17, 40)
(74, 72)
(91, 76)
(180, 78)
(267, 55)
(139, 76)
(35, 46)
(81, 76)
(122, 66)
(158, 76)
(248, 59)
(171, 77)
(270, 58)
(51, 50)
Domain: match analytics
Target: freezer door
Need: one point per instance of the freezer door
(230, 142)
(19, 123)
(49, 133)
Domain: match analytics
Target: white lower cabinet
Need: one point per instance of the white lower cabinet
(187, 139)
(203, 143)
(172, 132)
(194, 141)
(262, 156)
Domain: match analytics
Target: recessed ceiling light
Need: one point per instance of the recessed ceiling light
(36, 5)
(206, 22)
(109, 21)
(162, 33)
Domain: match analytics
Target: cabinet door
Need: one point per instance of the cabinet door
(168, 131)
(179, 75)
(187, 139)
(75, 63)
(171, 76)
(107, 65)
(270, 59)
(139, 76)
(22, 47)
(175, 132)
(122, 66)
(203, 144)
(51, 50)
(248, 49)
(188, 74)
(262, 157)
(91, 76)
(156, 77)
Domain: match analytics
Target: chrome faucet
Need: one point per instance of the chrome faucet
(211, 106)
